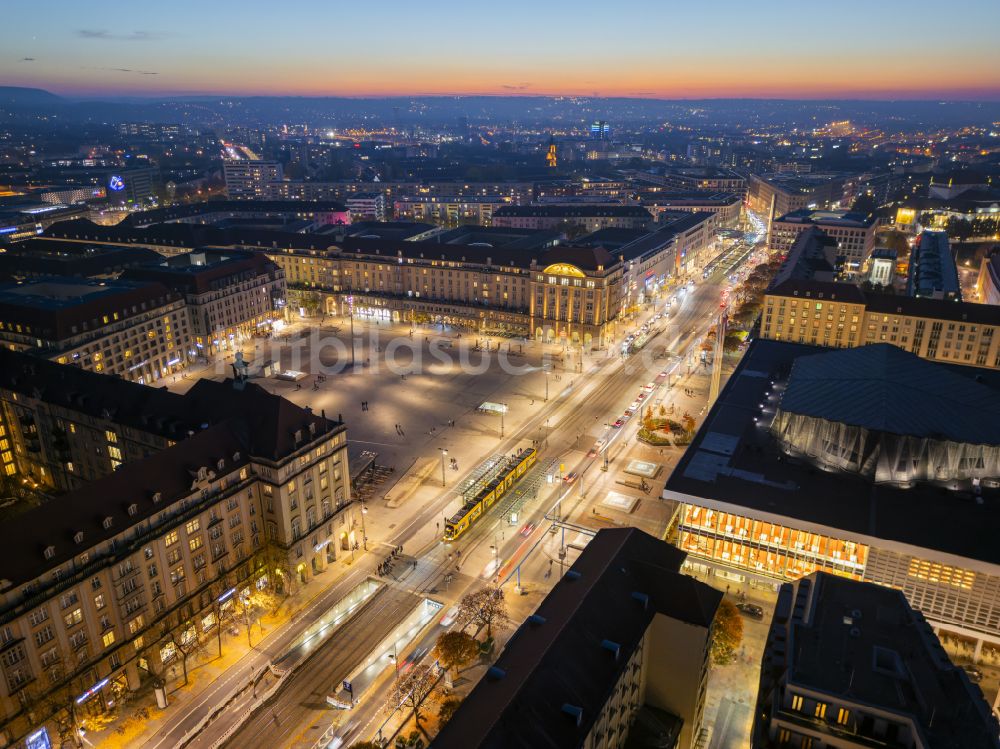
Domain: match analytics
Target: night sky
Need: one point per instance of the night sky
(655, 48)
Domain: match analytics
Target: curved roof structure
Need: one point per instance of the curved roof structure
(883, 388)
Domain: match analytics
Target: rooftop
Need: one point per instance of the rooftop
(864, 643)
(883, 388)
(572, 211)
(890, 304)
(846, 219)
(233, 207)
(560, 655)
(58, 307)
(235, 425)
(735, 460)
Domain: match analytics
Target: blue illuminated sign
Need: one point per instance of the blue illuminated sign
(116, 183)
(39, 740)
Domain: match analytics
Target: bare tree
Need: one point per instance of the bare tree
(186, 643)
(485, 607)
(411, 688)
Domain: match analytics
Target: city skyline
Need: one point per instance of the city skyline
(654, 51)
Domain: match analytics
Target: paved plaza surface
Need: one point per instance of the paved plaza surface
(414, 393)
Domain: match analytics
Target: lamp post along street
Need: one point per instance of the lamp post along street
(443, 453)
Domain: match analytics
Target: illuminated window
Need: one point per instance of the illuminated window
(941, 573)
(109, 638)
(820, 710)
(193, 526)
(170, 539)
(796, 702)
(843, 715)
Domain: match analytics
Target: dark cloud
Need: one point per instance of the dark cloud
(127, 70)
(515, 86)
(133, 36)
(27, 59)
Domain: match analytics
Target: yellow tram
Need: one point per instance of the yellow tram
(473, 508)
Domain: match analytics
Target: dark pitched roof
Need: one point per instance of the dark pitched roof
(559, 655)
(251, 422)
(169, 472)
(270, 422)
(886, 657)
(54, 305)
(826, 290)
(152, 410)
(222, 268)
(572, 211)
(883, 388)
(206, 208)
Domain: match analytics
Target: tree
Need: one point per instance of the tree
(647, 423)
(865, 204)
(663, 411)
(896, 241)
(447, 709)
(485, 606)
(365, 745)
(186, 643)
(456, 648)
(726, 633)
(688, 421)
(411, 688)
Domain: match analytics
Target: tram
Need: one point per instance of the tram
(516, 467)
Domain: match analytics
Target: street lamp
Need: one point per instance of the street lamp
(546, 385)
(503, 408)
(364, 533)
(350, 308)
(443, 453)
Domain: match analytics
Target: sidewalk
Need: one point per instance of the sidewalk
(206, 671)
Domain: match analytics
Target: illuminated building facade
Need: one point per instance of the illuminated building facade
(139, 331)
(449, 210)
(167, 548)
(760, 505)
(842, 315)
(853, 233)
(231, 296)
(249, 179)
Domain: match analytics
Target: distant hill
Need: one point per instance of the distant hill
(18, 96)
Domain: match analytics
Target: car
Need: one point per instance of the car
(526, 529)
(570, 477)
(751, 609)
(640, 397)
(412, 659)
(618, 423)
(633, 406)
(649, 386)
(592, 453)
(974, 673)
(665, 373)
(449, 617)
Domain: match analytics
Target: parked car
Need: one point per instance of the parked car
(618, 423)
(751, 609)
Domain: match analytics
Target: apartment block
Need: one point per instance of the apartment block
(842, 315)
(103, 582)
(618, 647)
(137, 330)
(850, 665)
